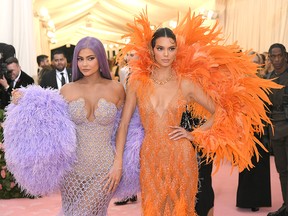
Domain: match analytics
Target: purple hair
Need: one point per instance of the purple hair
(97, 47)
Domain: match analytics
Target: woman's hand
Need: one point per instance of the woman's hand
(179, 133)
(16, 96)
(113, 178)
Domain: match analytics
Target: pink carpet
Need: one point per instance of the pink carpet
(224, 183)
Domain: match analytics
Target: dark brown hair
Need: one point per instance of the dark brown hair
(162, 32)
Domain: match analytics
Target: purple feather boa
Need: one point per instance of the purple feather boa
(130, 184)
(39, 140)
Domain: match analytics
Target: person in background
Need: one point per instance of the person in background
(125, 71)
(254, 185)
(60, 75)
(268, 66)
(14, 79)
(6, 51)
(205, 196)
(42, 61)
(279, 118)
(43, 66)
(114, 68)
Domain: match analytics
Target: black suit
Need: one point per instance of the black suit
(279, 133)
(49, 78)
(5, 95)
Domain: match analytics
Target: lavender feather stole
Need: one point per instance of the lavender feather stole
(130, 183)
(39, 140)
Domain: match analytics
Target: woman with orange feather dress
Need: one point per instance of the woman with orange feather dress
(189, 66)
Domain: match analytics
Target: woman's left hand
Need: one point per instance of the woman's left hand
(16, 96)
(113, 177)
(179, 133)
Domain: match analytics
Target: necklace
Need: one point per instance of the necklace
(162, 82)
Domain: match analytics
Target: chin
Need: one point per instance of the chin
(166, 65)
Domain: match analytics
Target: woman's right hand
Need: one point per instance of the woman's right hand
(179, 133)
(16, 95)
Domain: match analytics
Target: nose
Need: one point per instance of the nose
(277, 58)
(166, 53)
(84, 62)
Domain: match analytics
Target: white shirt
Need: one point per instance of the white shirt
(59, 77)
(17, 78)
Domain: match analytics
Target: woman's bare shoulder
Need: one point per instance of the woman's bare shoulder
(117, 85)
(188, 88)
(69, 90)
(119, 88)
(186, 84)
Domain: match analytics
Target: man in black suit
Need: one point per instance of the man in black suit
(279, 118)
(59, 76)
(14, 78)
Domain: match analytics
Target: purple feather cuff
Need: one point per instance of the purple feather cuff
(130, 183)
(39, 140)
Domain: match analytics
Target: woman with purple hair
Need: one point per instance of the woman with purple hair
(94, 100)
(70, 143)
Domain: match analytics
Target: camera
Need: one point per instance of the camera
(3, 66)
(3, 70)
(6, 51)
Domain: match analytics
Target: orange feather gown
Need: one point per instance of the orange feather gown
(169, 170)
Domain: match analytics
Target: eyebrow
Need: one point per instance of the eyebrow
(87, 56)
(157, 45)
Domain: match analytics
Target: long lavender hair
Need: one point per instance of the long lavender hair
(97, 47)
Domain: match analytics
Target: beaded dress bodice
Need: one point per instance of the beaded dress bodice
(94, 150)
(82, 191)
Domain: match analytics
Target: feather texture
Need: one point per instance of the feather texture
(130, 183)
(39, 140)
(224, 72)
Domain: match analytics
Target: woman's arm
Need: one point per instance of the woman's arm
(197, 94)
(193, 92)
(115, 173)
(128, 110)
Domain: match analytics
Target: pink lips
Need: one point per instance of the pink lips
(85, 70)
(165, 60)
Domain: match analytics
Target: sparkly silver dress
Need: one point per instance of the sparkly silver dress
(82, 190)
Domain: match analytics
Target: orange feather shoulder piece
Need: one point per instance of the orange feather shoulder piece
(225, 73)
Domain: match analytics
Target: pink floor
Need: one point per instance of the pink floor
(224, 183)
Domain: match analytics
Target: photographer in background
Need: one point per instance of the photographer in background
(6, 51)
(14, 78)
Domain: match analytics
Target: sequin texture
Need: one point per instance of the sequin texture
(82, 190)
(169, 169)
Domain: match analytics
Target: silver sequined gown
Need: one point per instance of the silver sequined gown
(82, 191)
